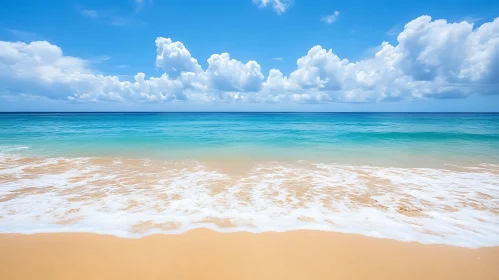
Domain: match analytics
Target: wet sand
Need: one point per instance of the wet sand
(204, 254)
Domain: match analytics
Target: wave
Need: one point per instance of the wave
(135, 197)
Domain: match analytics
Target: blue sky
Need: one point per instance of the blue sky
(86, 55)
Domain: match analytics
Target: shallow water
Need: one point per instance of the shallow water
(375, 138)
(430, 178)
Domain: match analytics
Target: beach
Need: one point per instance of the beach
(134, 198)
(249, 140)
(249, 196)
(205, 254)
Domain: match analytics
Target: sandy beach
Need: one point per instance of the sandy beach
(204, 254)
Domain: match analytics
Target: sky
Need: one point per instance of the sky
(249, 55)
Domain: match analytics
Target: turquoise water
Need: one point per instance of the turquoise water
(429, 178)
(366, 138)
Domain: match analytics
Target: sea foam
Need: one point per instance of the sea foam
(134, 198)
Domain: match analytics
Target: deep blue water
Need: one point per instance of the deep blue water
(400, 138)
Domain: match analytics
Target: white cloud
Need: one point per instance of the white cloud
(223, 73)
(226, 74)
(432, 59)
(40, 68)
(174, 58)
(320, 69)
(329, 19)
(279, 6)
(278, 58)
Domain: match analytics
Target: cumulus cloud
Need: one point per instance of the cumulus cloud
(222, 74)
(40, 68)
(329, 19)
(279, 6)
(174, 58)
(431, 59)
(228, 74)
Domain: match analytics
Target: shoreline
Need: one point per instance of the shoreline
(225, 231)
(141, 197)
(206, 254)
(233, 161)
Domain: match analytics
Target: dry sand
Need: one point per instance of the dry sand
(204, 254)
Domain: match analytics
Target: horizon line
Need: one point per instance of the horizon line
(282, 112)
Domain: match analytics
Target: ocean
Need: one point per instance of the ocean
(423, 177)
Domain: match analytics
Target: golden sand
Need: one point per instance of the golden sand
(204, 254)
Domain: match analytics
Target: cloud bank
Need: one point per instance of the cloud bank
(432, 59)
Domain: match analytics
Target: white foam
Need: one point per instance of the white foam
(444, 206)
